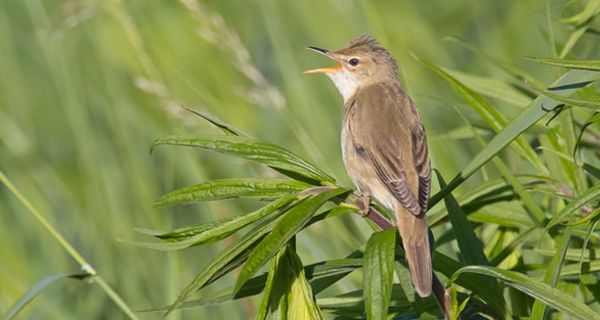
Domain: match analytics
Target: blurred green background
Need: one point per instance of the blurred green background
(86, 86)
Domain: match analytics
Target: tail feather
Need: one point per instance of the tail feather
(415, 239)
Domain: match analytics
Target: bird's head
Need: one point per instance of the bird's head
(361, 62)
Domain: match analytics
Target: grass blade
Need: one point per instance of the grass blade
(592, 104)
(227, 129)
(471, 248)
(551, 296)
(591, 65)
(573, 207)
(492, 117)
(378, 273)
(552, 274)
(292, 222)
(534, 113)
(254, 150)
(230, 188)
(34, 291)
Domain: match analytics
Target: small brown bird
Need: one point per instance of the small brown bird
(384, 145)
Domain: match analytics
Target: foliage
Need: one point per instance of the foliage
(515, 227)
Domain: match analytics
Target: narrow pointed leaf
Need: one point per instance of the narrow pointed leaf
(592, 104)
(300, 299)
(227, 128)
(592, 65)
(319, 274)
(553, 297)
(230, 188)
(228, 259)
(595, 172)
(491, 87)
(289, 224)
(265, 304)
(552, 274)
(378, 273)
(254, 150)
(34, 291)
(573, 207)
(591, 9)
(531, 115)
(493, 118)
(471, 248)
(213, 231)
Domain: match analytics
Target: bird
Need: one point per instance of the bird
(384, 144)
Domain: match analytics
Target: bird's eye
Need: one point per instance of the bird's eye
(353, 62)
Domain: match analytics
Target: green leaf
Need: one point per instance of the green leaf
(573, 207)
(487, 193)
(591, 10)
(266, 302)
(34, 291)
(553, 297)
(288, 294)
(321, 275)
(448, 266)
(592, 104)
(471, 249)
(552, 274)
(213, 231)
(492, 117)
(592, 65)
(226, 261)
(255, 150)
(595, 172)
(300, 299)
(531, 115)
(227, 128)
(290, 223)
(230, 188)
(491, 87)
(378, 273)
(507, 67)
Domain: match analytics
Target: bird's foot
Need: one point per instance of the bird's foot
(364, 204)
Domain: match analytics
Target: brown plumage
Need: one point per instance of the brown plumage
(384, 145)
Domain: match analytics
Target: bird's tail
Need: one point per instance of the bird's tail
(415, 239)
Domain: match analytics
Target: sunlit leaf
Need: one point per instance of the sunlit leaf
(591, 9)
(213, 231)
(254, 150)
(553, 297)
(378, 273)
(493, 118)
(228, 259)
(230, 188)
(534, 112)
(227, 128)
(286, 228)
(592, 65)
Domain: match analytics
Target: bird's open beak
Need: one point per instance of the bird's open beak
(323, 70)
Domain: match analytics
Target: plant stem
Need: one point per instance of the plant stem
(85, 266)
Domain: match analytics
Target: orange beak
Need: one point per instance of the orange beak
(323, 70)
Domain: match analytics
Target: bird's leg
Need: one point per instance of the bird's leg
(364, 203)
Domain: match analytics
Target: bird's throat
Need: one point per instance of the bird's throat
(345, 83)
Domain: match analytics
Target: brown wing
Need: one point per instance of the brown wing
(422, 164)
(397, 149)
